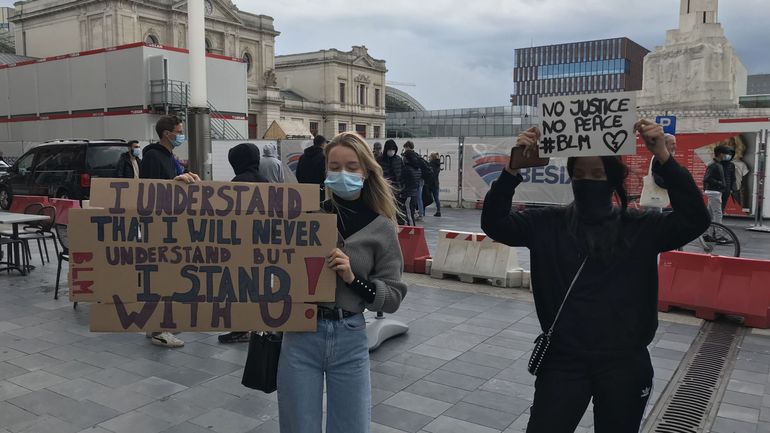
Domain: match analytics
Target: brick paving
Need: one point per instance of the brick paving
(460, 368)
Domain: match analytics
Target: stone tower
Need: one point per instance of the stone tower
(697, 68)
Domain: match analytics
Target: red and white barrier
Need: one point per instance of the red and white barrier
(472, 256)
(414, 248)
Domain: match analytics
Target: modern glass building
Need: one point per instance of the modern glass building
(607, 65)
(501, 121)
(758, 84)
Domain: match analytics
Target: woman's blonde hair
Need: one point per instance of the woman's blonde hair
(377, 192)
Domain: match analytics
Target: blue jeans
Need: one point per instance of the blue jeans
(434, 192)
(338, 350)
(420, 205)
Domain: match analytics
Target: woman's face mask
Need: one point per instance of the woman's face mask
(593, 199)
(344, 184)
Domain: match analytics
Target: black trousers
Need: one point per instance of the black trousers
(620, 387)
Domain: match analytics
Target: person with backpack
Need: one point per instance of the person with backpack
(426, 178)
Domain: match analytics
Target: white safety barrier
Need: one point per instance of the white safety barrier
(456, 254)
(474, 256)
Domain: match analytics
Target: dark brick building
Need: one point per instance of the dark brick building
(607, 65)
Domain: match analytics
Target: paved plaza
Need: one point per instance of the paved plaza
(460, 368)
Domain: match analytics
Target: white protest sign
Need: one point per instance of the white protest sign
(588, 125)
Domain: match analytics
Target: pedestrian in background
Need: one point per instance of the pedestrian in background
(270, 167)
(246, 163)
(435, 166)
(730, 179)
(128, 164)
(368, 265)
(159, 162)
(411, 185)
(598, 350)
(715, 183)
(426, 176)
(377, 149)
(393, 169)
(311, 167)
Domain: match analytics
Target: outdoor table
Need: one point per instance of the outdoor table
(15, 219)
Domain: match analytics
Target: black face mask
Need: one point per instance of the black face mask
(593, 199)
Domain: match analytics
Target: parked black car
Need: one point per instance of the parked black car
(61, 168)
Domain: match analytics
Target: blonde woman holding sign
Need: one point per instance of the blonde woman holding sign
(368, 263)
(594, 268)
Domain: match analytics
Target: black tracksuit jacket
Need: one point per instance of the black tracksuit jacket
(612, 308)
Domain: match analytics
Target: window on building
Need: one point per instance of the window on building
(342, 93)
(342, 127)
(361, 94)
(313, 128)
(248, 61)
(377, 130)
(361, 130)
(152, 39)
(377, 98)
(208, 45)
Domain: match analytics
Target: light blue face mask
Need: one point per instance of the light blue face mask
(344, 184)
(136, 152)
(728, 157)
(178, 140)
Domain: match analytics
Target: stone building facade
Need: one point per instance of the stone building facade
(52, 28)
(333, 91)
(697, 68)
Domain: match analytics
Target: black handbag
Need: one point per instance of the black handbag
(543, 341)
(261, 370)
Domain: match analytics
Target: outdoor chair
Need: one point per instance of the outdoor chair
(64, 242)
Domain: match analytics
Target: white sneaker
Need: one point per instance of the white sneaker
(166, 339)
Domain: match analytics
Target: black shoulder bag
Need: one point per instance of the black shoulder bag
(261, 369)
(543, 341)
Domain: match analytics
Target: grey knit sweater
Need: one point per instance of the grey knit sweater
(375, 255)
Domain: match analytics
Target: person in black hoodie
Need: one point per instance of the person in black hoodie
(311, 167)
(392, 165)
(599, 345)
(435, 187)
(410, 179)
(244, 158)
(393, 168)
(158, 162)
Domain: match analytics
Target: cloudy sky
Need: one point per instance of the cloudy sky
(459, 53)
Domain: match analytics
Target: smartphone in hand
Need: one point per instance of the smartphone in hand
(518, 160)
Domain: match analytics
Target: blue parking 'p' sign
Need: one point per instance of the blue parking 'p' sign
(668, 123)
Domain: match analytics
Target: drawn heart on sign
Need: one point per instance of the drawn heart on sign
(615, 141)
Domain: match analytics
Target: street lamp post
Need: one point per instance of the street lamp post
(199, 119)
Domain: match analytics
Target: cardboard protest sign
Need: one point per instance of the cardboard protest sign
(588, 125)
(163, 255)
(202, 316)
